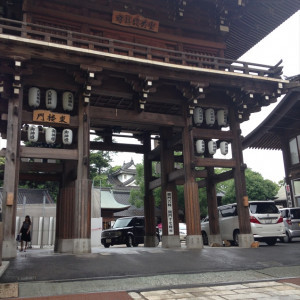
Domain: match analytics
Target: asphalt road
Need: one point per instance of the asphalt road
(121, 262)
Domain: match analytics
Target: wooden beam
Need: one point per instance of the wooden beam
(100, 114)
(178, 174)
(202, 183)
(39, 177)
(155, 184)
(223, 176)
(155, 154)
(200, 173)
(117, 147)
(41, 167)
(32, 152)
(199, 133)
(214, 162)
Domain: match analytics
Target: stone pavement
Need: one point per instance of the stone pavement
(254, 290)
(120, 274)
(283, 289)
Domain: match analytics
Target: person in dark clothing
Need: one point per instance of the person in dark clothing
(25, 233)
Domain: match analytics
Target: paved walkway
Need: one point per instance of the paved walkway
(283, 289)
(142, 273)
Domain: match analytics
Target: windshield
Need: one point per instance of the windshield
(263, 208)
(122, 223)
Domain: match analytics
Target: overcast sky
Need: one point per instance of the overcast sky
(283, 43)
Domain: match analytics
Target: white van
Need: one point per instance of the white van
(265, 220)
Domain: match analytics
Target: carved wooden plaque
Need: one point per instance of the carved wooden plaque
(137, 21)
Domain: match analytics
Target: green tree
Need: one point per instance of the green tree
(257, 187)
(137, 195)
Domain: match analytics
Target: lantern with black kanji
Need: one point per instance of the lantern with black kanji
(51, 99)
(224, 147)
(33, 133)
(67, 136)
(200, 146)
(50, 135)
(212, 147)
(198, 115)
(68, 101)
(34, 97)
(222, 117)
(210, 116)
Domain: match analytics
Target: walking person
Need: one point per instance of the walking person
(25, 233)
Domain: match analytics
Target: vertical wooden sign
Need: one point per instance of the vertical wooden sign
(170, 214)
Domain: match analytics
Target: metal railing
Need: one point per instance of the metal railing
(87, 41)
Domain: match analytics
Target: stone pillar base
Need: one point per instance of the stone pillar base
(150, 241)
(171, 241)
(245, 240)
(215, 239)
(76, 246)
(9, 249)
(194, 242)
(82, 246)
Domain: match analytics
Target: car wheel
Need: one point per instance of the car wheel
(271, 241)
(236, 237)
(287, 238)
(129, 241)
(106, 245)
(204, 238)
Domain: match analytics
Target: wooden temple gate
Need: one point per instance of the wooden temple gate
(119, 78)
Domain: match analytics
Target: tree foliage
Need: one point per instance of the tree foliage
(137, 195)
(257, 187)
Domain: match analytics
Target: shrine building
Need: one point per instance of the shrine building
(159, 70)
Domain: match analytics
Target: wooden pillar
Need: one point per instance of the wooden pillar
(191, 196)
(245, 235)
(213, 213)
(287, 167)
(149, 206)
(65, 209)
(83, 185)
(169, 204)
(11, 174)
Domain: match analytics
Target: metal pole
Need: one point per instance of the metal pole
(42, 233)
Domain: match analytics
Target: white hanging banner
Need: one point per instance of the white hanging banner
(170, 214)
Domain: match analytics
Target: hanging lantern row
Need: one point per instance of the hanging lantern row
(34, 99)
(50, 135)
(212, 147)
(210, 116)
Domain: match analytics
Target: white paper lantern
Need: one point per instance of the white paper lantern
(67, 136)
(224, 148)
(200, 146)
(212, 147)
(222, 117)
(34, 97)
(68, 101)
(50, 135)
(51, 99)
(198, 115)
(33, 133)
(210, 116)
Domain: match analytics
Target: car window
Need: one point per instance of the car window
(122, 223)
(139, 222)
(263, 208)
(229, 211)
(284, 213)
(295, 213)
